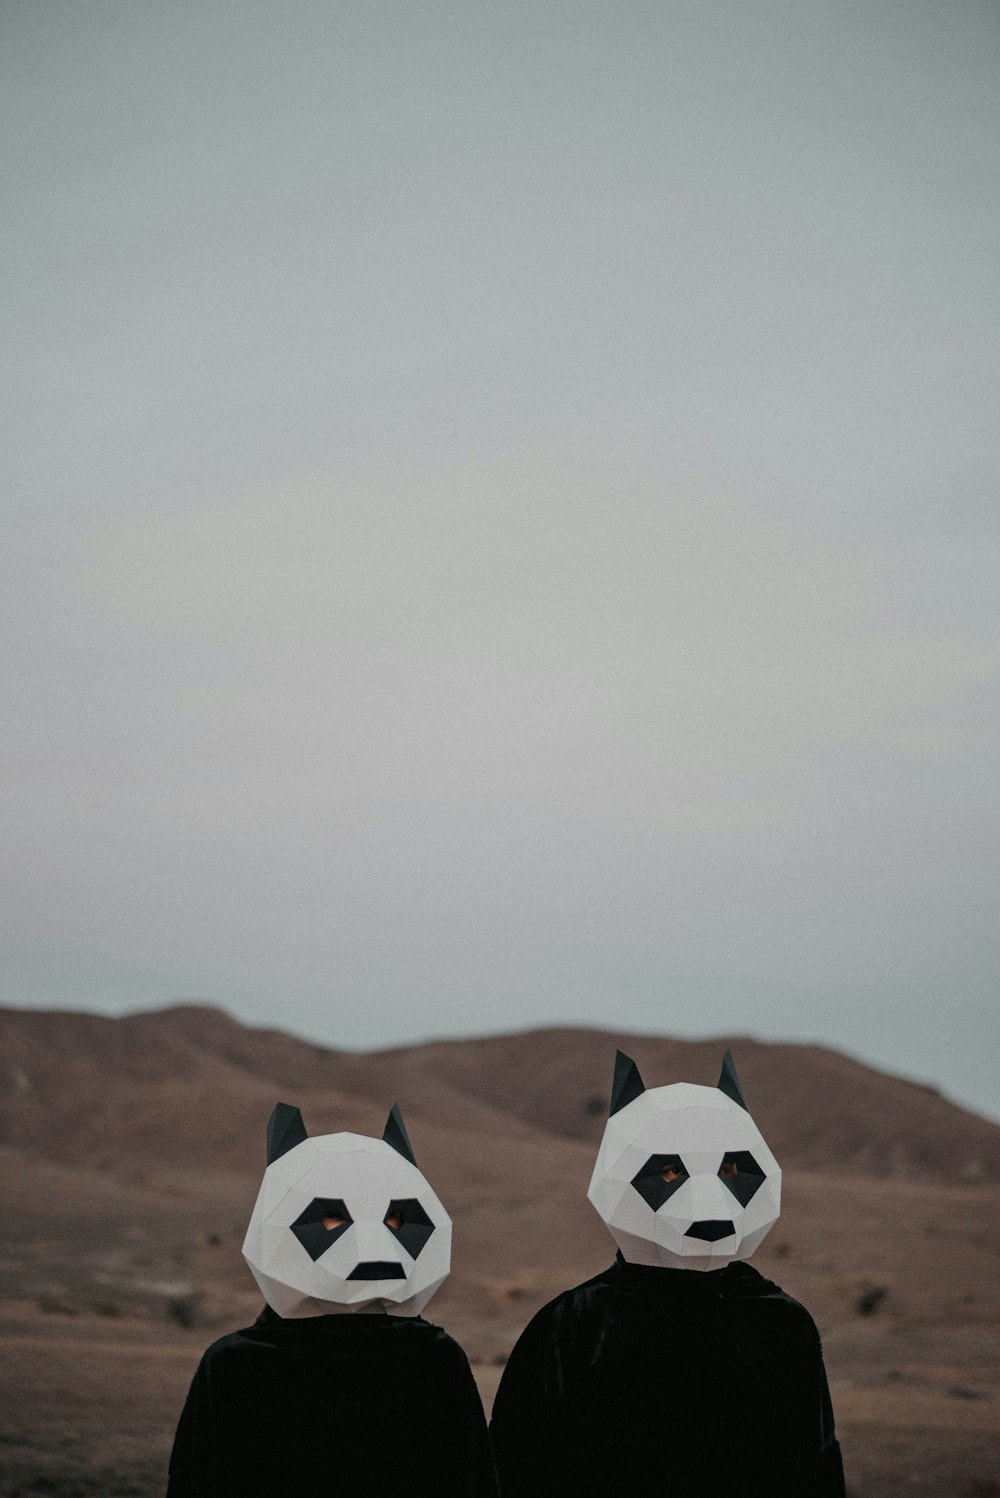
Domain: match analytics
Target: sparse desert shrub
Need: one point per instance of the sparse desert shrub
(56, 1305)
(108, 1308)
(183, 1309)
(869, 1301)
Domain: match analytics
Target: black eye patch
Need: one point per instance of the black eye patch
(649, 1181)
(748, 1178)
(308, 1226)
(416, 1226)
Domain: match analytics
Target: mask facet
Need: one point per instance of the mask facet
(344, 1222)
(684, 1179)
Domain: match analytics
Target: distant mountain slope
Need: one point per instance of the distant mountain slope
(192, 1086)
(818, 1108)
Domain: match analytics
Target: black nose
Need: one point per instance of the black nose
(377, 1269)
(710, 1231)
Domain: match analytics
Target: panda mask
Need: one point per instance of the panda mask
(345, 1223)
(683, 1178)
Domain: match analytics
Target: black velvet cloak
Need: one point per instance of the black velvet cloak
(668, 1382)
(361, 1404)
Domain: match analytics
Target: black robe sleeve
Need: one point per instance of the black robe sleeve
(528, 1428)
(192, 1460)
(828, 1479)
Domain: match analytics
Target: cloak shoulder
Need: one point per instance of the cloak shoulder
(651, 1379)
(309, 1406)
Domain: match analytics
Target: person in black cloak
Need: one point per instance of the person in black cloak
(339, 1386)
(679, 1370)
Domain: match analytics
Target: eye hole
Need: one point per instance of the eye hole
(740, 1174)
(659, 1178)
(324, 1221)
(408, 1221)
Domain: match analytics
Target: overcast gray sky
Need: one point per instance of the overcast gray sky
(502, 517)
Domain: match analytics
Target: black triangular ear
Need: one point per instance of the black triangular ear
(729, 1082)
(627, 1084)
(285, 1130)
(396, 1135)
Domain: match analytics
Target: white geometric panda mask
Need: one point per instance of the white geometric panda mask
(683, 1178)
(345, 1223)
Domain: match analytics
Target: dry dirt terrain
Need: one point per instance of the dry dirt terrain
(132, 1149)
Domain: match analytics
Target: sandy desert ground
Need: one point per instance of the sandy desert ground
(131, 1151)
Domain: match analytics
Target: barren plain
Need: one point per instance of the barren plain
(132, 1149)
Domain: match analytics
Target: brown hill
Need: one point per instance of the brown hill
(190, 1083)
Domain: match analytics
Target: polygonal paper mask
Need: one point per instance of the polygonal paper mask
(683, 1178)
(345, 1223)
